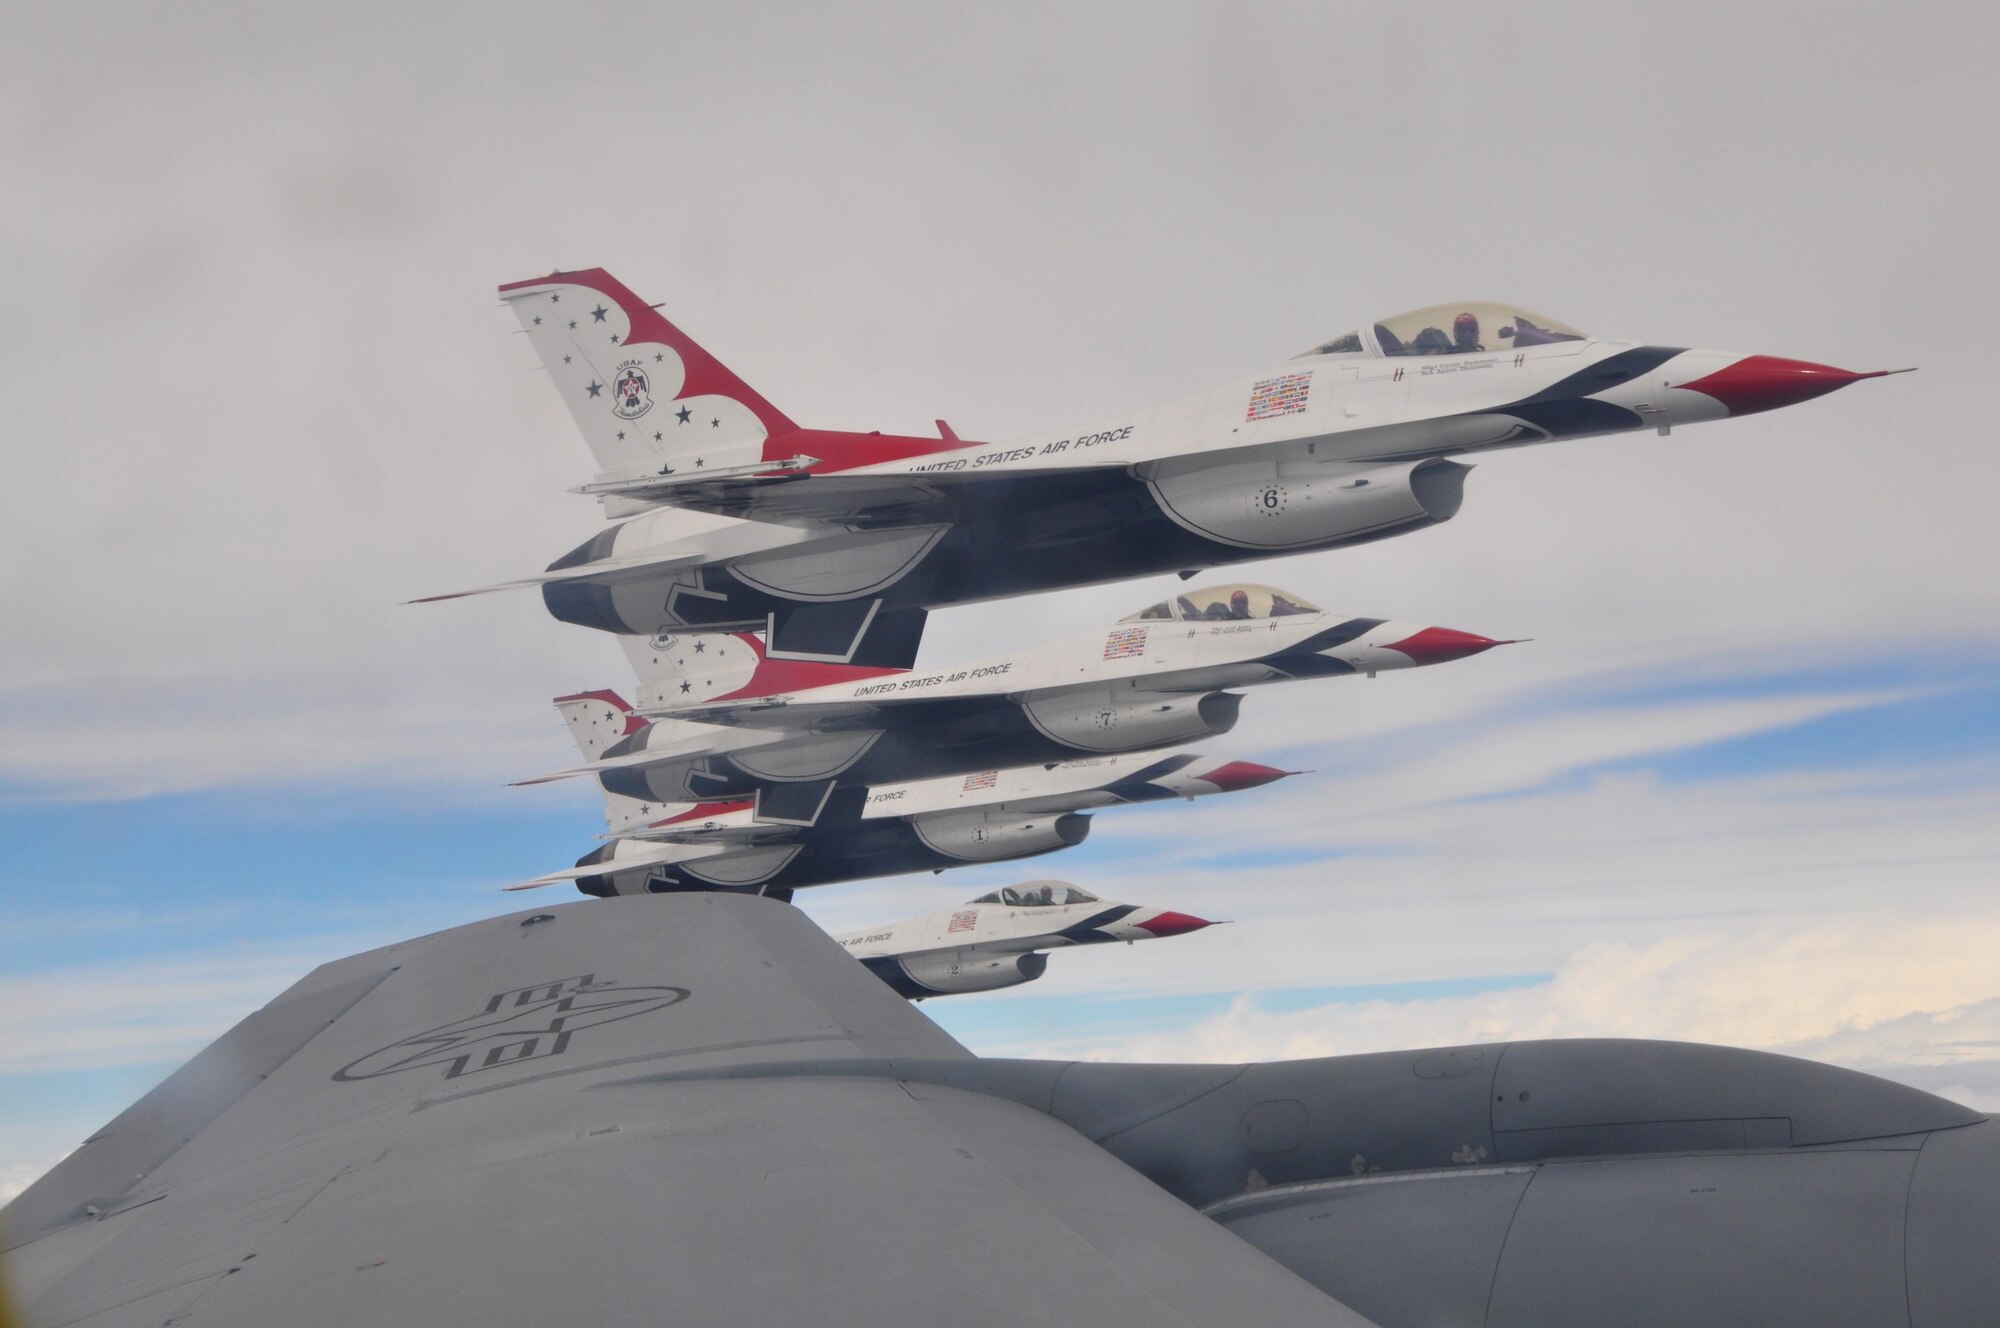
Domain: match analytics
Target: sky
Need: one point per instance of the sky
(1741, 786)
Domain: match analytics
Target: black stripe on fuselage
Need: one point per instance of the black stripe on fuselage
(1090, 930)
(1568, 408)
(1304, 660)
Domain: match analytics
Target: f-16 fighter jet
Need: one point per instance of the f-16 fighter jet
(923, 825)
(733, 516)
(733, 723)
(997, 940)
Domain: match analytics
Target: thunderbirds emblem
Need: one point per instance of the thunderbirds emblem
(527, 1023)
(632, 392)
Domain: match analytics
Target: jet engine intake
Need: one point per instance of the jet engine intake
(977, 836)
(1259, 504)
(1104, 720)
(955, 972)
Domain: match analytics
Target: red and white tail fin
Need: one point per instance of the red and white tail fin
(688, 669)
(647, 398)
(596, 720)
(623, 815)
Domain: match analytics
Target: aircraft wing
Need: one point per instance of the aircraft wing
(662, 1109)
(832, 716)
(937, 697)
(870, 501)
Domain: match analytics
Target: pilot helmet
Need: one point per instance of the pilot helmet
(1465, 329)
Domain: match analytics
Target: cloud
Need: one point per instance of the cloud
(264, 393)
(102, 1016)
(258, 393)
(1915, 998)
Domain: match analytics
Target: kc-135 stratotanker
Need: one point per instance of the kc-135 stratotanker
(697, 1109)
(730, 722)
(732, 516)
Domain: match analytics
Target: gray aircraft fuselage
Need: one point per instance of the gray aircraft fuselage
(699, 1109)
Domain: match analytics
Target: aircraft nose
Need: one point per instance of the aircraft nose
(1441, 645)
(1169, 923)
(1766, 382)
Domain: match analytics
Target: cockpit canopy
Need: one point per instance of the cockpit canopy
(1039, 894)
(1234, 602)
(1452, 329)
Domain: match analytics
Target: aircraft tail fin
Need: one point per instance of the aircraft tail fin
(623, 815)
(647, 398)
(597, 719)
(677, 669)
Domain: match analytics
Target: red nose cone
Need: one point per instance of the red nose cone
(1441, 645)
(1242, 775)
(1173, 924)
(1765, 382)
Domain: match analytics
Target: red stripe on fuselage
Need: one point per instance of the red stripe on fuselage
(847, 451)
(774, 677)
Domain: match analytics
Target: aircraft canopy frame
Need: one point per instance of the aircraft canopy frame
(1230, 601)
(1468, 327)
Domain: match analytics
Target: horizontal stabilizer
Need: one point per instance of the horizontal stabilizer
(606, 570)
(633, 857)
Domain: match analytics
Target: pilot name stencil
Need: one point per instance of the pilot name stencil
(522, 1024)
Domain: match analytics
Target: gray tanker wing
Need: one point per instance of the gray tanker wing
(697, 1109)
(659, 1110)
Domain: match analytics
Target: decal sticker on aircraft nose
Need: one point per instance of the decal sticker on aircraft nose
(1125, 642)
(526, 1023)
(1283, 395)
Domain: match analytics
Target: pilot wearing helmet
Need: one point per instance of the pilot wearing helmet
(1465, 334)
(1239, 603)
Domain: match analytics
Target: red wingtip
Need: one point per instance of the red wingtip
(1441, 645)
(1174, 924)
(705, 811)
(1766, 382)
(1243, 775)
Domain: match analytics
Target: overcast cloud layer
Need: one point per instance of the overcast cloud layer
(257, 392)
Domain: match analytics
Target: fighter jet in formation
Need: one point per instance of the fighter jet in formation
(730, 722)
(883, 830)
(1000, 939)
(835, 544)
